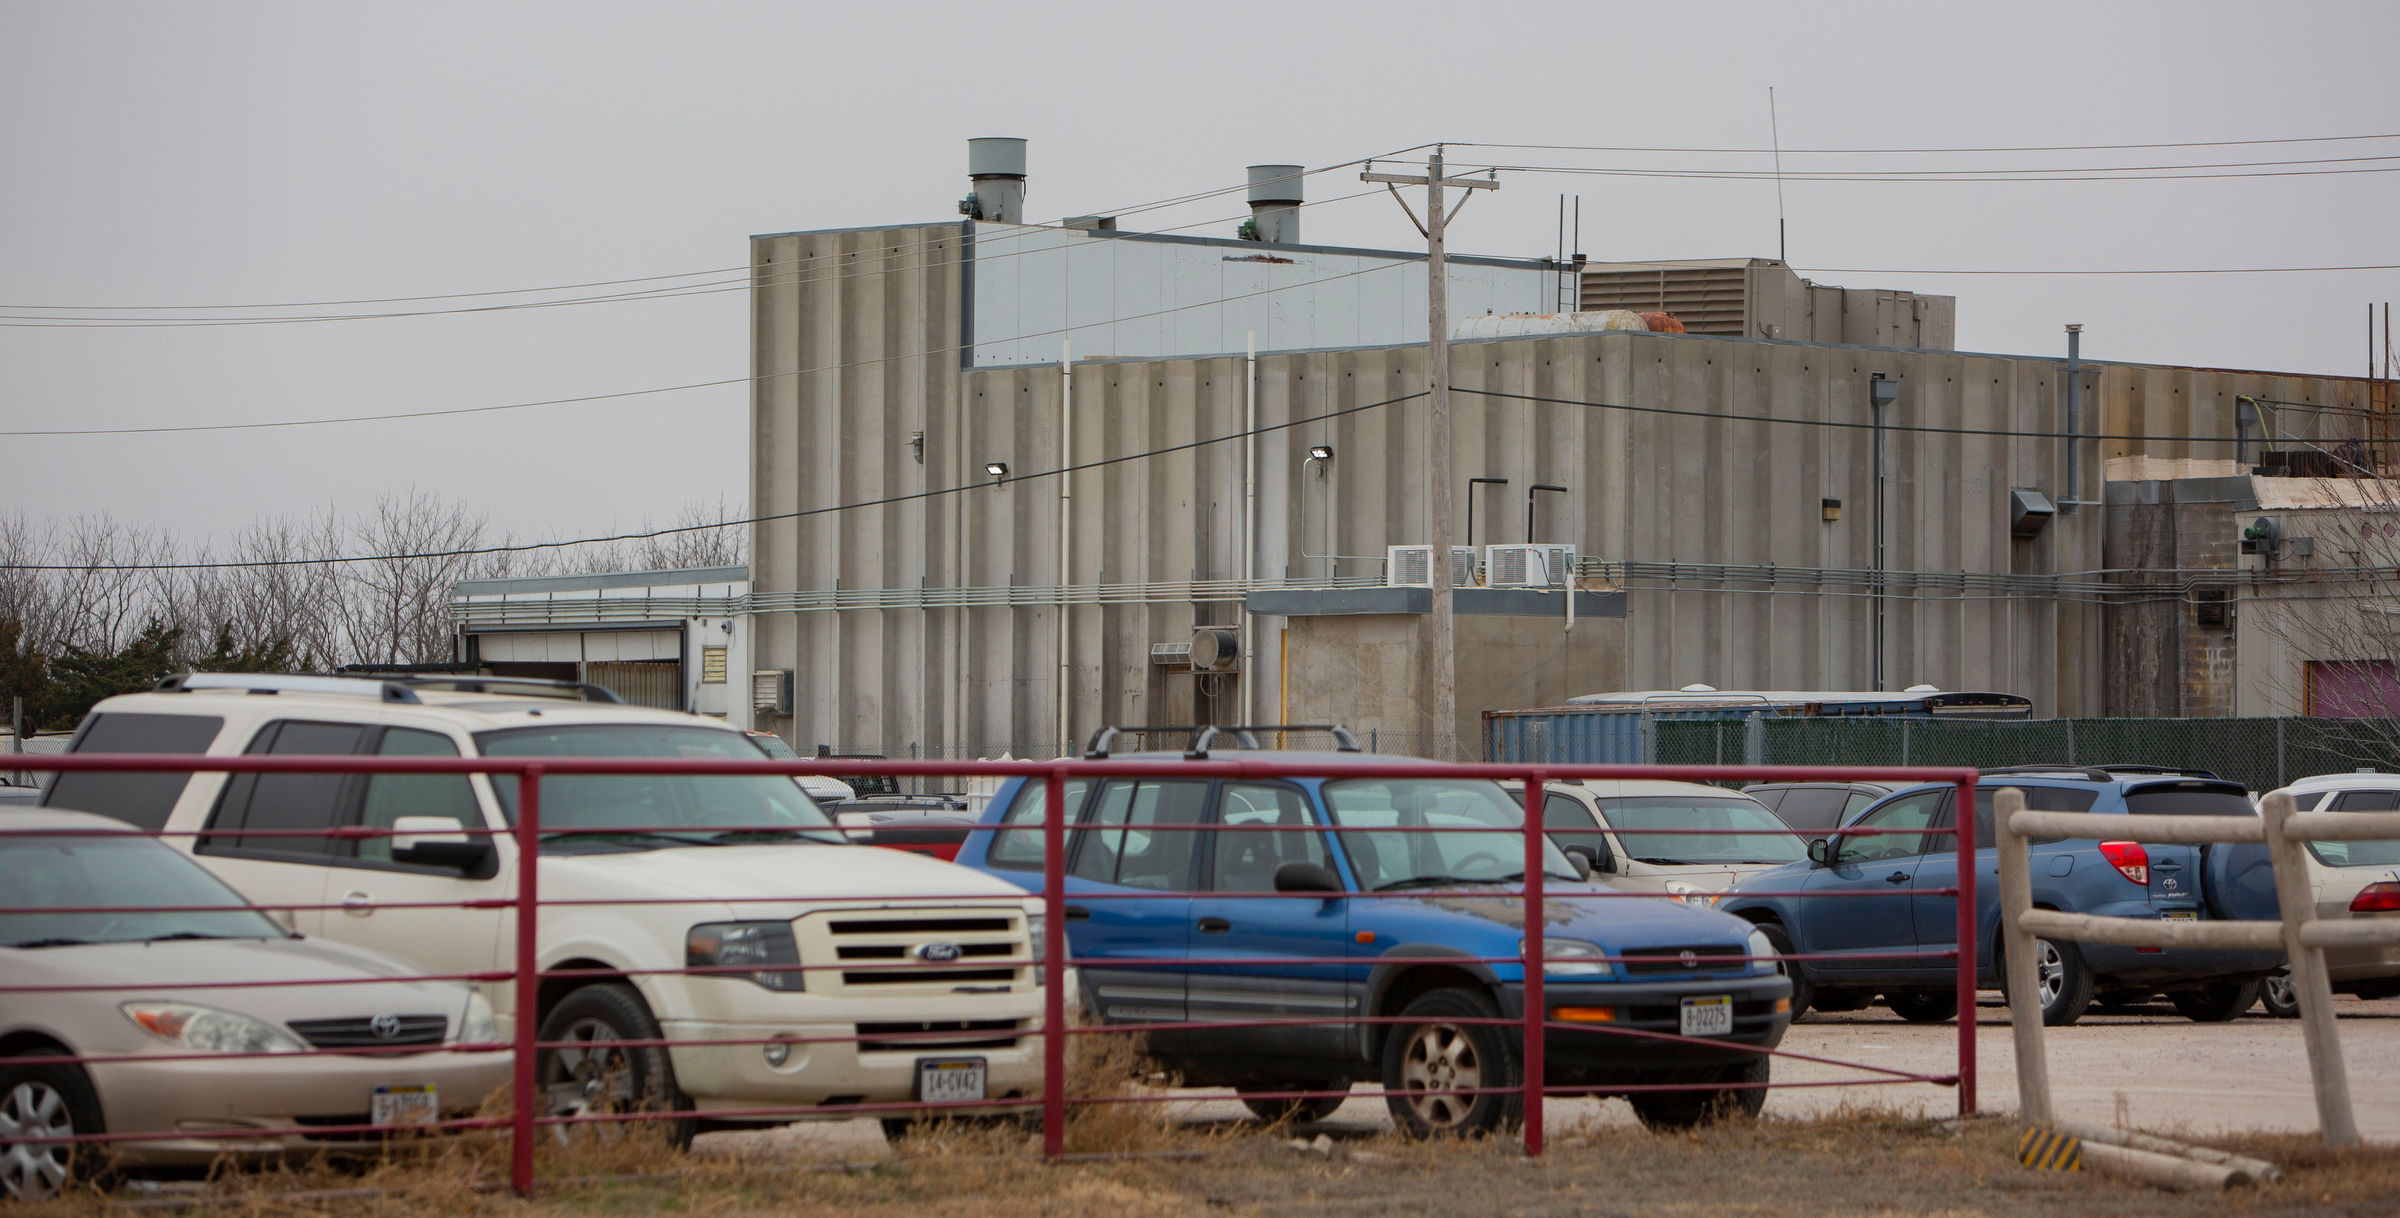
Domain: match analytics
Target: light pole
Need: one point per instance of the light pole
(1880, 393)
(1316, 453)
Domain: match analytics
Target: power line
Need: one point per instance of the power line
(2203, 270)
(775, 278)
(200, 427)
(722, 524)
(1891, 176)
(1153, 205)
(2302, 139)
(1947, 431)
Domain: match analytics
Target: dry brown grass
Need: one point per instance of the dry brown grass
(1864, 1163)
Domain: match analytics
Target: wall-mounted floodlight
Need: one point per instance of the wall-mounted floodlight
(997, 469)
(1320, 452)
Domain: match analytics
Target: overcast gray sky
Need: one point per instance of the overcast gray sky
(189, 154)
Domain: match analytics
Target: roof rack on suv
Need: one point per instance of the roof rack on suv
(2101, 773)
(1196, 746)
(364, 682)
(426, 677)
(2094, 773)
(2186, 771)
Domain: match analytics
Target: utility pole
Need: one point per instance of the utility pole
(1437, 349)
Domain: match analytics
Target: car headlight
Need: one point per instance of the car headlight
(1691, 894)
(766, 946)
(207, 1029)
(478, 1026)
(1570, 958)
(1038, 926)
(1759, 946)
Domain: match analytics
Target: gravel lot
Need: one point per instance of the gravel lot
(2148, 1067)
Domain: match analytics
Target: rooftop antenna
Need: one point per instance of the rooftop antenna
(1775, 128)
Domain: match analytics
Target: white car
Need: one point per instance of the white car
(1603, 819)
(2349, 880)
(151, 1011)
(945, 997)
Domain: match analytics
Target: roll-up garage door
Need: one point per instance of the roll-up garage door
(656, 683)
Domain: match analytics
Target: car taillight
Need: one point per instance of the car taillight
(2383, 896)
(2130, 860)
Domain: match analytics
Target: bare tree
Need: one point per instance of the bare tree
(2323, 617)
(396, 608)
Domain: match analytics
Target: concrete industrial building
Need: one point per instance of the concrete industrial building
(932, 583)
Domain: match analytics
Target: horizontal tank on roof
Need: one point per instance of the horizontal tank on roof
(1520, 325)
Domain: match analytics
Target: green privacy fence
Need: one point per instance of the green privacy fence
(2261, 753)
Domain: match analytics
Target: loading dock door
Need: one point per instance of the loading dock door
(644, 667)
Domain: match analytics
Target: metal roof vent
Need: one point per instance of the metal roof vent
(1275, 203)
(996, 165)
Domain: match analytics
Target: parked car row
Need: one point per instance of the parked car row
(801, 935)
(1291, 935)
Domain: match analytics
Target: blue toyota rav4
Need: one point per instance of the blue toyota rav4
(1175, 894)
(1871, 901)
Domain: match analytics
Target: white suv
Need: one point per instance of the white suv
(946, 1000)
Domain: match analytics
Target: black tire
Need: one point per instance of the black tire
(1298, 1112)
(1669, 1110)
(46, 1100)
(1836, 998)
(1430, 1053)
(1923, 1005)
(1804, 991)
(2218, 1002)
(2066, 982)
(607, 1078)
(2275, 992)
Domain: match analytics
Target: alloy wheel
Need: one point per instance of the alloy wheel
(2053, 971)
(1441, 1057)
(589, 1073)
(34, 1169)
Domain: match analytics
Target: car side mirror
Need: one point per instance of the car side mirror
(1819, 852)
(437, 841)
(1580, 858)
(1306, 877)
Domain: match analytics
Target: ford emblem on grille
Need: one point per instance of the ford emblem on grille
(385, 1027)
(1690, 959)
(937, 952)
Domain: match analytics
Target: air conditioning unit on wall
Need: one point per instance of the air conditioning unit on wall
(771, 691)
(1412, 566)
(1215, 649)
(1529, 566)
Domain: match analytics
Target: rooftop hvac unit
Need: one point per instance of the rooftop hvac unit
(1412, 566)
(1533, 566)
(771, 691)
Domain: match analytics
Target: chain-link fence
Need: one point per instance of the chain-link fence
(2261, 753)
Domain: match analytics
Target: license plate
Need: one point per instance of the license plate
(2182, 915)
(1710, 1016)
(943, 1080)
(404, 1105)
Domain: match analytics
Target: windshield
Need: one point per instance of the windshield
(65, 874)
(1392, 858)
(1758, 836)
(774, 746)
(648, 811)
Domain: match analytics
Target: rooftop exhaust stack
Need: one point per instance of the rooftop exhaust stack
(996, 165)
(1275, 202)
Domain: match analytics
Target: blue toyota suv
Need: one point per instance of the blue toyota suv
(1143, 898)
(1867, 935)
